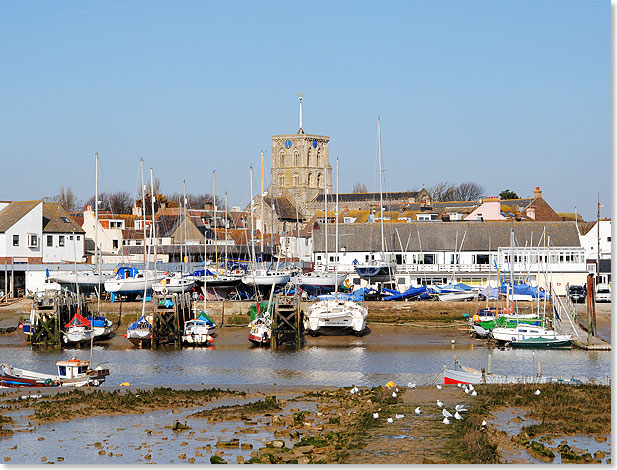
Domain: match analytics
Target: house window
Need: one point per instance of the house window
(78, 237)
(33, 240)
(61, 240)
(50, 240)
(137, 242)
(71, 237)
(608, 239)
(482, 259)
(356, 281)
(123, 242)
(15, 240)
(115, 244)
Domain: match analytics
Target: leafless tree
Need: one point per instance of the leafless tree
(440, 191)
(446, 191)
(359, 188)
(468, 191)
(67, 199)
(120, 202)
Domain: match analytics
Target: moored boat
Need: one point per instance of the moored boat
(78, 330)
(71, 373)
(522, 334)
(335, 313)
(459, 374)
(140, 332)
(101, 326)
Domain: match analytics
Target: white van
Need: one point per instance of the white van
(603, 293)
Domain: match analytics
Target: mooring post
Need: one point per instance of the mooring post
(490, 364)
(539, 368)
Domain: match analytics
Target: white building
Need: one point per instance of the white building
(39, 232)
(469, 252)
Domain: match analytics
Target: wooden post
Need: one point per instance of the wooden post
(6, 283)
(539, 368)
(12, 279)
(590, 300)
(593, 307)
(490, 363)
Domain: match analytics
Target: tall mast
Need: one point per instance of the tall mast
(261, 220)
(185, 223)
(336, 231)
(325, 211)
(143, 207)
(226, 221)
(380, 188)
(96, 227)
(252, 220)
(153, 226)
(300, 130)
(216, 251)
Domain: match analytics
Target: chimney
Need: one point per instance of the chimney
(537, 194)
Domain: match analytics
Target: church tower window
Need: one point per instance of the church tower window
(282, 158)
(296, 158)
(319, 179)
(310, 180)
(296, 180)
(281, 180)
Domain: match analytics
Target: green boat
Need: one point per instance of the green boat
(483, 328)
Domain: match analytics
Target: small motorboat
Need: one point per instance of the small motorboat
(101, 326)
(71, 373)
(260, 330)
(174, 284)
(335, 313)
(78, 330)
(199, 332)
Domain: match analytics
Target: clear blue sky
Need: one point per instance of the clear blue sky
(508, 94)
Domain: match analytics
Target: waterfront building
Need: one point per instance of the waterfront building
(468, 252)
(589, 241)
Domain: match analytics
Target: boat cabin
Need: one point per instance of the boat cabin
(72, 368)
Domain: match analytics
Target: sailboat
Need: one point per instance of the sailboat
(322, 280)
(262, 278)
(140, 332)
(378, 270)
(128, 280)
(78, 330)
(336, 312)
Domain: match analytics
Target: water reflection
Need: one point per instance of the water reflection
(318, 365)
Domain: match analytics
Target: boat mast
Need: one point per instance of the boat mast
(336, 236)
(185, 245)
(252, 219)
(96, 228)
(143, 210)
(325, 211)
(143, 206)
(216, 252)
(380, 187)
(261, 220)
(226, 221)
(153, 225)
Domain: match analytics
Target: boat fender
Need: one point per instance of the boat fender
(163, 282)
(125, 384)
(348, 283)
(476, 318)
(47, 382)
(164, 290)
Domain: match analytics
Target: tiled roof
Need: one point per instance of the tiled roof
(57, 220)
(439, 236)
(12, 213)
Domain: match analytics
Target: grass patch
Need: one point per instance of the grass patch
(239, 411)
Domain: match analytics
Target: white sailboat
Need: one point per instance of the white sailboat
(379, 269)
(335, 312)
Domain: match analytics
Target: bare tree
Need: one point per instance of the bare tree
(67, 200)
(468, 191)
(359, 188)
(120, 202)
(446, 191)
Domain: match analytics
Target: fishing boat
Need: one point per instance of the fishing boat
(260, 330)
(101, 326)
(78, 330)
(197, 332)
(540, 337)
(71, 373)
(140, 332)
(459, 374)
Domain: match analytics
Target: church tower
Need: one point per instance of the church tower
(300, 166)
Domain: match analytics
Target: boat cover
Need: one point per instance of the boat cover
(204, 316)
(141, 323)
(420, 292)
(78, 320)
(122, 272)
(524, 289)
(263, 306)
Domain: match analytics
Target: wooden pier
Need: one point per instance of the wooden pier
(287, 323)
(51, 313)
(170, 313)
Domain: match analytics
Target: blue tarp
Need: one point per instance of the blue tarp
(524, 289)
(421, 292)
(142, 320)
(202, 272)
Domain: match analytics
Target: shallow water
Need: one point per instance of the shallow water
(362, 365)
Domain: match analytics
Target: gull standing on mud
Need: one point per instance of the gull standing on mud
(446, 413)
(418, 410)
(446, 421)
(439, 403)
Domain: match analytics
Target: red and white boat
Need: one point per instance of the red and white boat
(460, 374)
(71, 373)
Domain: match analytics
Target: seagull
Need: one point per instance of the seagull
(474, 393)
(446, 413)
(375, 415)
(399, 416)
(446, 421)
(410, 385)
(396, 389)
(537, 392)
(457, 415)
(470, 387)
(438, 387)
(467, 390)
(393, 394)
(483, 422)
(354, 390)
(459, 385)
(418, 410)
(460, 408)
(439, 403)
(390, 420)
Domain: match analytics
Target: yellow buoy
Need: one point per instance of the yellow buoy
(390, 384)
(125, 384)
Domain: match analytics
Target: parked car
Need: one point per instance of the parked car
(577, 293)
(603, 293)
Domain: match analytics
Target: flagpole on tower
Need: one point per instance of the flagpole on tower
(300, 131)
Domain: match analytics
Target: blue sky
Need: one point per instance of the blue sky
(506, 94)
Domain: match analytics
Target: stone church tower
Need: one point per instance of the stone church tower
(300, 166)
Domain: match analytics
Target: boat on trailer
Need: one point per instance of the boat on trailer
(71, 373)
(335, 313)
